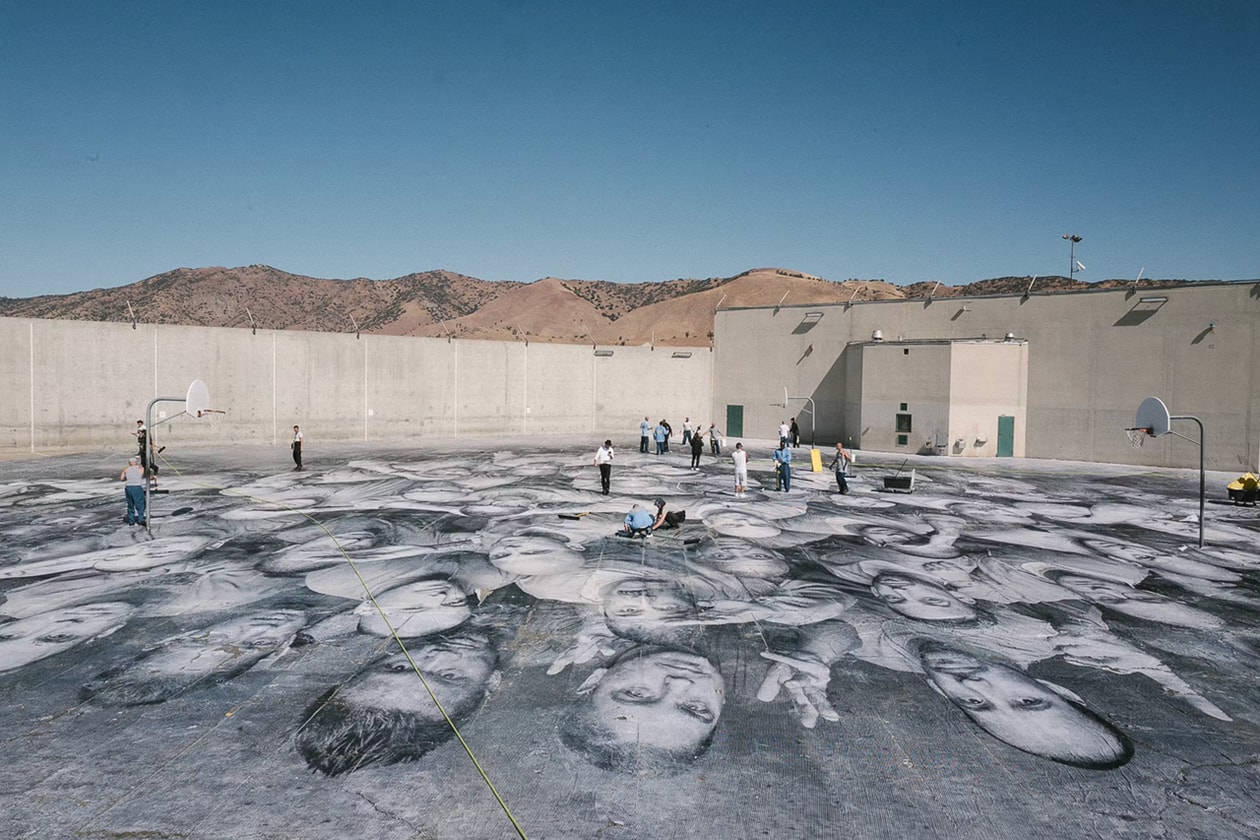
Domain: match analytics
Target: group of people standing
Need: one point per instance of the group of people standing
(788, 434)
(693, 437)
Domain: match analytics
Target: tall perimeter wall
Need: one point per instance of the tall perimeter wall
(77, 384)
(1092, 357)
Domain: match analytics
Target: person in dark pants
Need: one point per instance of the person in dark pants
(142, 441)
(297, 448)
(783, 467)
(645, 431)
(841, 466)
(603, 460)
(795, 431)
(697, 447)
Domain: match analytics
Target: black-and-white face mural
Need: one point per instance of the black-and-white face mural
(367, 648)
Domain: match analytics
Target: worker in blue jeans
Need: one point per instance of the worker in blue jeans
(783, 467)
(638, 522)
(133, 474)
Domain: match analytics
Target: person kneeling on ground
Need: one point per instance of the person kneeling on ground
(672, 519)
(639, 522)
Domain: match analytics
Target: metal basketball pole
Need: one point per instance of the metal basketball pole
(148, 456)
(1202, 475)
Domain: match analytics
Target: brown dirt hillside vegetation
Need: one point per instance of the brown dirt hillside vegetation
(448, 304)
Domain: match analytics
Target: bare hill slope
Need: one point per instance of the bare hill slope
(445, 303)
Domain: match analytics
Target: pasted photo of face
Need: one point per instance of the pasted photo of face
(1027, 714)
(650, 611)
(653, 709)
(739, 558)
(395, 709)
(36, 637)
(534, 555)
(917, 598)
(1137, 603)
(207, 656)
(415, 609)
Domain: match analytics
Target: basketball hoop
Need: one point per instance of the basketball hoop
(212, 418)
(1137, 436)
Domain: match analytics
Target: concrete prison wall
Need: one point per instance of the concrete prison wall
(77, 384)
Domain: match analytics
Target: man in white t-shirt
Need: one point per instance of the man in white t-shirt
(133, 474)
(740, 457)
(785, 434)
(603, 460)
(297, 448)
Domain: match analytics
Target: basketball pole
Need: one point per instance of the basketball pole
(1202, 474)
(148, 425)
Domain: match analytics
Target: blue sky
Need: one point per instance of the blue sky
(628, 141)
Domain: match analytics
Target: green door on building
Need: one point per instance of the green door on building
(1006, 436)
(734, 421)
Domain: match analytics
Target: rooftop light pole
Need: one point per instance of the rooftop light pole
(1072, 238)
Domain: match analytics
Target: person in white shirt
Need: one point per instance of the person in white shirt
(603, 460)
(297, 448)
(740, 457)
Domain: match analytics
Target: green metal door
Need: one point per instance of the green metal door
(1006, 436)
(734, 421)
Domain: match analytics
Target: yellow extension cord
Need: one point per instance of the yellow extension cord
(384, 617)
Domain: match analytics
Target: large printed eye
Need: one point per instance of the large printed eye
(58, 638)
(1030, 703)
(699, 711)
(973, 704)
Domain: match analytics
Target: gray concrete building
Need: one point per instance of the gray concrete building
(1037, 375)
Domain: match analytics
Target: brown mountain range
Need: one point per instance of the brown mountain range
(444, 303)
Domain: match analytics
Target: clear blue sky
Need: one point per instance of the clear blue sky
(628, 141)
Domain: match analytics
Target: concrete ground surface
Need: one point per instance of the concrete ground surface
(1016, 648)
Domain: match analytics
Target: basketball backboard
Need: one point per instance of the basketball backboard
(1152, 415)
(198, 399)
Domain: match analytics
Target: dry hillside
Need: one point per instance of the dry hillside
(445, 303)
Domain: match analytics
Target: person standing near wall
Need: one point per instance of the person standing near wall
(603, 460)
(297, 448)
(133, 474)
(142, 444)
(688, 431)
(660, 435)
(669, 430)
(785, 433)
(645, 431)
(715, 439)
(795, 431)
(740, 458)
(841, 465)
(152, 465)
(783, 466)
(697, 448)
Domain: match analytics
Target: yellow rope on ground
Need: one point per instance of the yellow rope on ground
(371, 597)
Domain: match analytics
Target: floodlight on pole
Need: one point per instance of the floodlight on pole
(1073, 265)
